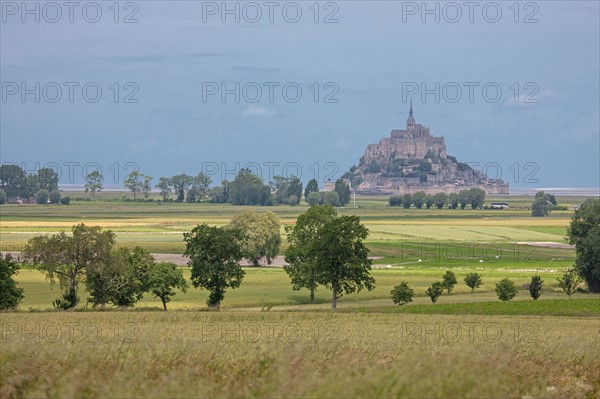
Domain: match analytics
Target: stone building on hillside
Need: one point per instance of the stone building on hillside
(412, 160)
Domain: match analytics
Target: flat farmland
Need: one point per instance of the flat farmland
(159, 226)
(270, 341)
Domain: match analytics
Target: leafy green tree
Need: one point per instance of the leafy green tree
(31, 186)
(584, 232)
(453, 200)
(434, 291)
(294, 190)
(542, 205)
(103, 280)
(47, 179)
(343, 190)
(569, 281)
(181, 184)
(395, 200)
(535, 287)
(429, 201)
(418, 199)
(122, 280)
(261, 232)
(94, 182)
(402, 293)
(449, 281)
(473, 280)
(138, 183)
(407, 201)
(220, 194)
(476, 198)
(200, 184)
(550, 197)
(440, 200)
(464, 198)
(313, 198)
(342, 258)
(41, 197)
(288, 190)
(66, 258)
(3, 197)
(164, 185)
(249, 189)
(164, 278)
(214, 256)
(301, 260)
(10, 294)
(329, 198)
(146, 186)
(311, 187)
(12, 180)
(506, 289)
(134, 267)
(54, 197)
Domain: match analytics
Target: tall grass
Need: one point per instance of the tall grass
(230, 354)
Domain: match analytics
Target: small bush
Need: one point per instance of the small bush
(402, 293)
(54, 197)
(473, 280)
(449, 281)
(535, 287)
(434, 291)
(41, 197)
(395, 200)
(65, 200)
(569, 281)
(313, 198)
(506, 289)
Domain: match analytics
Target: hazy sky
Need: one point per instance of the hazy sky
(513, 87)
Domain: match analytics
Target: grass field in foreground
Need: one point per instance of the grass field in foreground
(296, 354)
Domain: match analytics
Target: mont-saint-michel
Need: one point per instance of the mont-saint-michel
(411, 160)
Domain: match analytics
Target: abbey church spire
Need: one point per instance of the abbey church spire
(410, 122)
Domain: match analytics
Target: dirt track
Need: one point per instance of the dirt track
(181, 260)
(547, 244)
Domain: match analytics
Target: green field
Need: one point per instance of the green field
(269, 341)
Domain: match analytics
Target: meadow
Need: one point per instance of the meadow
(130, 354)
(269, 341)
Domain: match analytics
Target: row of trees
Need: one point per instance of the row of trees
(324, 249)
(42, 197)
(475, 197)
(16, 183)
(119, 276)
(506, 289)
(246, 189)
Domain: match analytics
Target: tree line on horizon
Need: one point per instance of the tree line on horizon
(247, 188)
(475, 197)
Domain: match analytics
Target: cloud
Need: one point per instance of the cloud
(531, 98)
(257, 111)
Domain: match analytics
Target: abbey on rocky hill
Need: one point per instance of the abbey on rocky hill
(412, 160)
